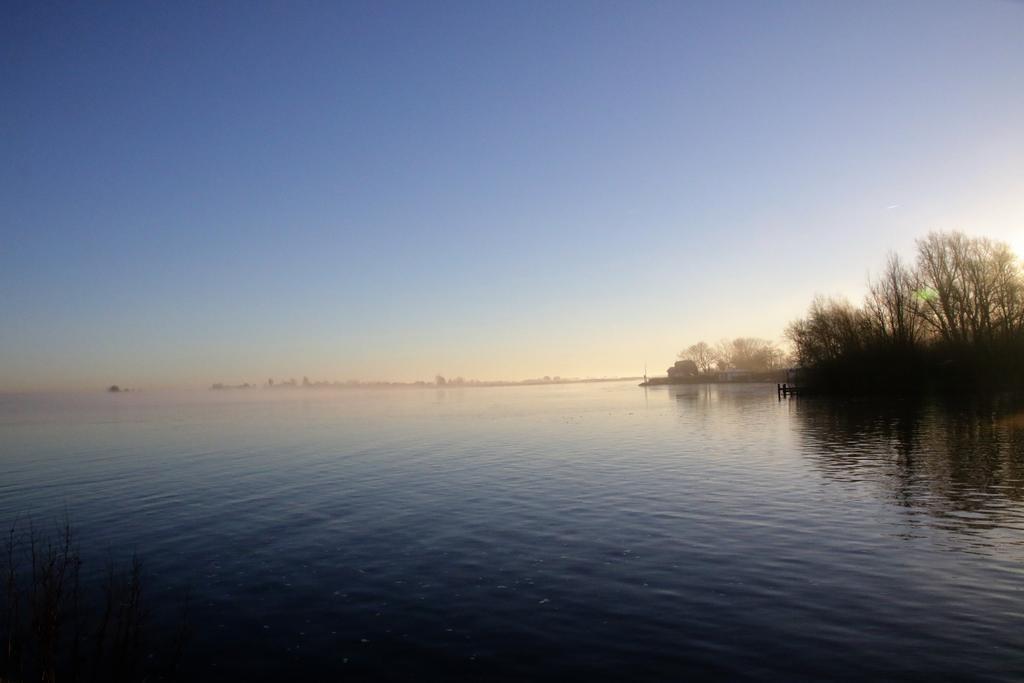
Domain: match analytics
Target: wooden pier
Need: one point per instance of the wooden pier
(787, 390)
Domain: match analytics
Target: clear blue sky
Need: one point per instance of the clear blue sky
(199, 192)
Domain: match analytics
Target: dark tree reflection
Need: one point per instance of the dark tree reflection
(960, 460)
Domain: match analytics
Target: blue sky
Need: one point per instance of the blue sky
(199, 192)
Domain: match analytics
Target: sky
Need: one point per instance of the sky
(225, 192)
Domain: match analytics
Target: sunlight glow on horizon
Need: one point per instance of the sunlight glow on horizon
(224, 194)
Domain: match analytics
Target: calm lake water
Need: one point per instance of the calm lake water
(597, 531)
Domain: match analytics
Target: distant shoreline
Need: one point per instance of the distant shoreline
(470, 384)
(764, 377)
(665, 382)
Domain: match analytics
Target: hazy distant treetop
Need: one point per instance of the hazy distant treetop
(702, 354)
(749, 353)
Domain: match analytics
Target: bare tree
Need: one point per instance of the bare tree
(893, 306)
(749, 353)
(940, 291)
(971, 289)
(1008, 301)
(833, 328)
(702, 354)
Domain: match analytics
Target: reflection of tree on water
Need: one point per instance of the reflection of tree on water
(960, 461)
(741, 418)
(729, 395)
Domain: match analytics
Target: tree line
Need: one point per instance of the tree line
(742, 353)
(954, 316)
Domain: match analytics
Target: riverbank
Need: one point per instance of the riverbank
(732, 377)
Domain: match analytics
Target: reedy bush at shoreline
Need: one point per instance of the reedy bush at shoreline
(57, 626)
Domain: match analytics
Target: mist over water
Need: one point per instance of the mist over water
(598, 531)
